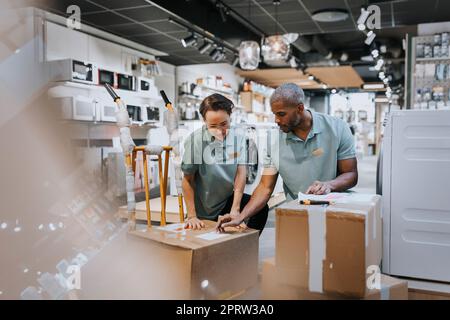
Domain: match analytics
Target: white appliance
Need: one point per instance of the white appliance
(144, 84)
(78, 108)
(73, 70)
(106, 111)
(416, 194)
(150, 114)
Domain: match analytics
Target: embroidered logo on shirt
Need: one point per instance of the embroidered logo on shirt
(318, 152)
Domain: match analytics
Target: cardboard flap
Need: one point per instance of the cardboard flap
(191, 239)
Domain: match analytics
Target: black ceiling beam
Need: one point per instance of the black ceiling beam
(205, 14)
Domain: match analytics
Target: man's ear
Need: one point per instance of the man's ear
(301, 107)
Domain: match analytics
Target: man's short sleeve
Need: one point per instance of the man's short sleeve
(188, 165)
(346, 149)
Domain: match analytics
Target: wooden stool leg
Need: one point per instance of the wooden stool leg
(147, 191)
(161, 190)
(180, 207)
(166, 171)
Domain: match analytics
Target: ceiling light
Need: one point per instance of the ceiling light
(330, 15)
(190, 41)
(372, 86)
(275, 48)
(367, 58)
(324, 86)
(385, 80)
(383, 49)
(249, 55)
(344, 56)
(333, 91)
(293, 62)
(205, 47)
(290, 37)
(361, 27)
(311, 78)
(370, 37)
(217, 54)
(235, 61)
(381, 75)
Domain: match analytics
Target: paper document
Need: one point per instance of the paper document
(213, 235)
(175, 227)
(334, 196)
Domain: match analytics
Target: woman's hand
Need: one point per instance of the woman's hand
(194, 223)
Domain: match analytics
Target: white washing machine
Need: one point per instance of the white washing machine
(416, 194)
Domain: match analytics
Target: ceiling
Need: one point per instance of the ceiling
(146, 22)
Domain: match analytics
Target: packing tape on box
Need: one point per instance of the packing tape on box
(384, 292)
(317, 246)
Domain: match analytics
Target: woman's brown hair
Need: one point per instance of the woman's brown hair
(216, 102)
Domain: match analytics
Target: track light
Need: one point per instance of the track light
(217, 54)
(190, 41)
(235, 61)
(205, 47)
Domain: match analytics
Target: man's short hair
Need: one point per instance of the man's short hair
(216, 102)
(289, 93)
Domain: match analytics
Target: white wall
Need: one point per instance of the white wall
(191, 72)
(167, 81)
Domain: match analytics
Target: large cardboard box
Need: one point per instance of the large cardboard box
(273, 289)
(208, 265)
(328, 249)
(178, 264)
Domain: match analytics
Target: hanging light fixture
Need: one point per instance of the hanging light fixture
(249, 51)
(249, 55)
(276, 48)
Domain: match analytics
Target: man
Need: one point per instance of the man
(214, 167)
(314, 154)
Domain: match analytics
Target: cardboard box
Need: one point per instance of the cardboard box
(329, 249)
(273, 289)
(246, 100)
(208, 265)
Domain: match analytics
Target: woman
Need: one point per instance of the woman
(214, 167)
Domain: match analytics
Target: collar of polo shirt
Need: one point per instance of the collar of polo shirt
(316, 128)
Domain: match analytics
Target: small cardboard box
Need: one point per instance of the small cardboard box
(247, 100)
(273, 289)
(329, 249)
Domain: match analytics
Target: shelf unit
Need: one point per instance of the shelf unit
(415, 82)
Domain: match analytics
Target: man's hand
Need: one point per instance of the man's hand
(194, 223)
(319, 187)
(229, 220)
